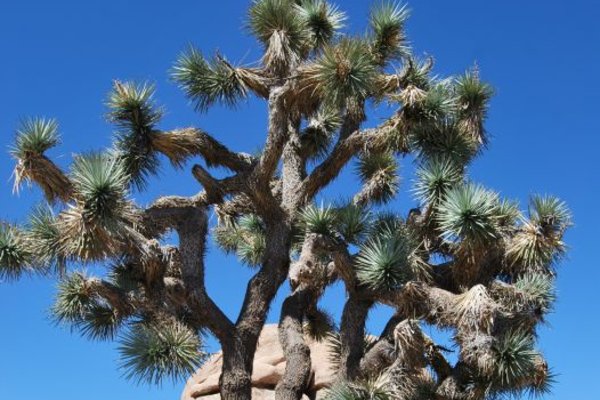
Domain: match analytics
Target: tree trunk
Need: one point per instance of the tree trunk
(352, 335)
(296, 377)
(236, 377)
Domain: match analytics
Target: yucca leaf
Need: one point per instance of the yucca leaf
(15, 257)
(383, 262)
(153, 352)
(387, 23)
(44, 239)
(320, 220)
(469, 213)
(435, 178)
(322, 19)
(344, 73)
(207, 82)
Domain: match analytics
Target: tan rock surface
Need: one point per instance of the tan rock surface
(269, 364)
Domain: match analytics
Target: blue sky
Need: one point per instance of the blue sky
(58, 59)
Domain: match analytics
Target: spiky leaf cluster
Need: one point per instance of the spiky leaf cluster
(132, 110)
(538, 243)
(153, 352)
(244, 237)
(317, 136)
(34, 137)
(281, 29)
(44, 239)
(373, 389)
(102, 219)
(434, 179)
(469, 214)
(15, 258)
(473, 97)
(344, 74)
(515, 358)
(387, 23)
(383, 262)
(207, 82)
(378, 172)
(322, 19)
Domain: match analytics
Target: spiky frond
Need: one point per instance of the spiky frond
(389, 40)
(100, 183)
(515, 358)
(343, 75)
(322, 19)
(34, 137)
(435, 178)
(468, 213)
(550, 213)
(371, 389)
(15, 257)
(100, 322)
(444, 139)
(251, 249)
(318, 134)
(538, 290)
(207, 82)
(353, 223)
(132, 110)
(102, 219)
(379, 174)
(320, 220)
(473, 98)
(73, 298)
(318, 325)
(131, 106)
(152, 352)
(244, 237)
(529, 250)
(281, 29)
(384, 223)
(44, 239)
(383, 263)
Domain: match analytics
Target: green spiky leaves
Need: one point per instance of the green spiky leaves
(102, 220)
(468, 213)
(378, 172)
(515, 358)
(245, 237)
(383, 262)
(373, 389)
(15, 258)
(550, 213)
(34, 137)
(322, 19)
(538, 244)
(132, 110)
(282, 30)
(473, 97)
(317, 136)
(434, 179)
(153, 352)
(207, 82)
(387, 23)
(343, 75)
(321, 220)
(44, 239)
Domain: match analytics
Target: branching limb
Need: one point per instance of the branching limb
(178, 145)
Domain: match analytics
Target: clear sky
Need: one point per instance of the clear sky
(58, 58)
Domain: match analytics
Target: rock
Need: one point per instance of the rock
(269, 364)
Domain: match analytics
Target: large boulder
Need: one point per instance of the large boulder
(269, 364)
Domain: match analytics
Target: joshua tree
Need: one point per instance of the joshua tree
(465, 259)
